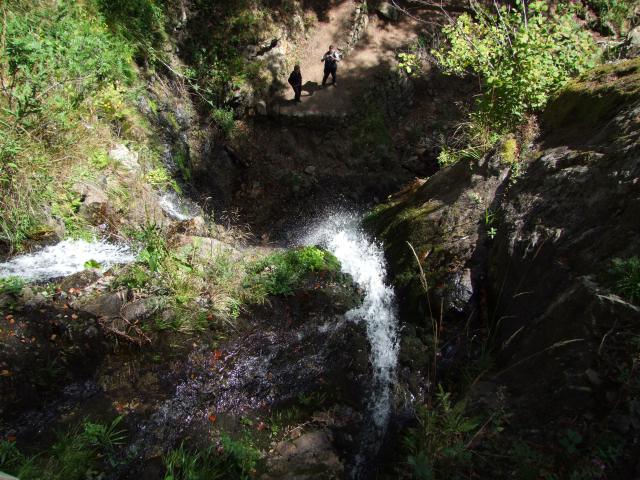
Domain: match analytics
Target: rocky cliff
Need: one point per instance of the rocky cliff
(523, 262)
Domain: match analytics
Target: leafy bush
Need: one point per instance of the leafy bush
(11, 285)
(140, 22)
(281, 272)
(56, 56)
(224, 118)
(160, 177)
(522, 56)
(626, 278)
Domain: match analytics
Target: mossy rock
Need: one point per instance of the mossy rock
(589, 101)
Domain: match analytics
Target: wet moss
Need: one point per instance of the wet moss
(402, 224)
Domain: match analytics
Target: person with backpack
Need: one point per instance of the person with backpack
(331, 59)
(295, 80)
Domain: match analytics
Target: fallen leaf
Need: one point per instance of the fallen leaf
(74, 316)
(261, 426)
(5, 373)
(212, 418)
(53, 337)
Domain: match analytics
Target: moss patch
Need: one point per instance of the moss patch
(595, 97)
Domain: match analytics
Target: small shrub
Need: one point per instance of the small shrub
(612, 15)
(11, 285)
(521, 57)
(233, 459)
(160, 178)
(280, 273)
(99, 160)
(625, 275)
(140, 22)
(409, 63)
(92, 264)
(225, 119)
(509, 150)
(440, 442)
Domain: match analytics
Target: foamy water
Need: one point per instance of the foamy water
(65, 258)
(177, 207)
(364, 261)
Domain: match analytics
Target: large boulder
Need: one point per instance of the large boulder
(444, 222)
(562, 223)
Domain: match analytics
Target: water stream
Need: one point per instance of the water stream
(65, 258)
(364, 260)
(178, 207)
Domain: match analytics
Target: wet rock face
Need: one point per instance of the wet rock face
(445, 220)
(297, 347)
(44, 350)
(563, 222)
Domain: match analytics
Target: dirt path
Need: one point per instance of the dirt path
(374, 53)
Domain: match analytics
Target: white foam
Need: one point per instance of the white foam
(177, 207)
(65, 258)
(364, 261)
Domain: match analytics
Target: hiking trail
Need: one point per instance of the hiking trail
(373, 54)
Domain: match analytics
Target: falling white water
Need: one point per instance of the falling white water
(364, 261)
(65, 258)
(177, 207)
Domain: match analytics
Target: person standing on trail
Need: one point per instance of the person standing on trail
(295, 80)
(330, 59)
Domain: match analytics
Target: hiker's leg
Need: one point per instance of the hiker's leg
(298, 90)
(324, 78)
(334, 74)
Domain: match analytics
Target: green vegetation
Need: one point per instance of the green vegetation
(224, 117)
(522, 55)
(280, 273)
(11, 285)
(203, 284)
(441, 441)
(625, 275)
(370, 130)
(612, 15)
(231, 459)
(160, 177)
(82, 451)
(141, 23)
(65, 80)
(521, 58)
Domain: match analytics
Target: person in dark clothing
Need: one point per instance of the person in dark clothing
(295, 80)
(331, 59)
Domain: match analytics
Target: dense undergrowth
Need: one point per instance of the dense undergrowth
(201, 285)
(521, 55)
(68, 94)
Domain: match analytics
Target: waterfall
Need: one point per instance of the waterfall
(178, 207)
(65, 258)
(363, 259)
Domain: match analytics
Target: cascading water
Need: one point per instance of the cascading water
(65, 258)
(364, 261)
(178, 207)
